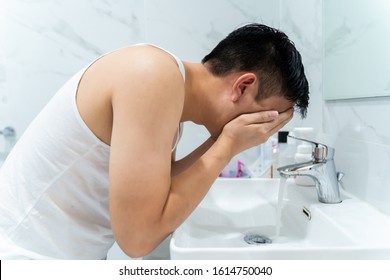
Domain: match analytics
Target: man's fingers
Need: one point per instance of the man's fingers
(259, 117)
(271, 127)
(281, 121)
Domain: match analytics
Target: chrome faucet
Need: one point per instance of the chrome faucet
(321, 168)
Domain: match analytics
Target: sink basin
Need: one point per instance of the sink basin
(236, 209)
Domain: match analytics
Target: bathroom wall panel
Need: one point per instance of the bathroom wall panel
(46, 42)
(357, 128)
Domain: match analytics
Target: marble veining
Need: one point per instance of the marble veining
(63, 29)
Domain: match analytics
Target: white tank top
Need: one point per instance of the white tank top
(54, 186)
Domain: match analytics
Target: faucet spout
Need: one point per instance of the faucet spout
(324, 176)
(299, 169)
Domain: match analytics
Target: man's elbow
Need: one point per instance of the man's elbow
(138, 248)
(137, 251)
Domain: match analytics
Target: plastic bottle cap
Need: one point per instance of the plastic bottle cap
(282, 136)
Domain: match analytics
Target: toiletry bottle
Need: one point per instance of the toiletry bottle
(288, 156)
(275, 156)
(287, 148)
(304, 153)
(261, 167)
(266, 162)
(252, 163)
(278, 152)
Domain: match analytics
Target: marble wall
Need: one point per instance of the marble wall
(302, 21)
(47, 41)
(356, 64)
(357, 128)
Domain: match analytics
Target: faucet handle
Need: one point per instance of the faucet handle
(321, 152)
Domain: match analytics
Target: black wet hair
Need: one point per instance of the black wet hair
(271, 55)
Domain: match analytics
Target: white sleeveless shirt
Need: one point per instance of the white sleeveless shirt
(54, 186)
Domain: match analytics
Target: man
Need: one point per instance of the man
(97, 163)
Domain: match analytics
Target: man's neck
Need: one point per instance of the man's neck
(196, 82)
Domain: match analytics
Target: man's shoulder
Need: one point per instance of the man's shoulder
(151, 59)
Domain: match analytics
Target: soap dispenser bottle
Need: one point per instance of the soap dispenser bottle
(304, 153)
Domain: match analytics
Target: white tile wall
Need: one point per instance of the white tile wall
(47, 41)
(357, 128)
(359, 131)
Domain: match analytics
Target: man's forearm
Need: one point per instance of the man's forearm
(182, 164)
(190, 186)
(186, 191)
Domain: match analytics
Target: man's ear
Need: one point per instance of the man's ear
(242, 84)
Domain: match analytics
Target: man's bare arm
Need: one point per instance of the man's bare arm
(179, 166)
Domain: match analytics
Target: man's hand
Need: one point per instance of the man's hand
(249, 130)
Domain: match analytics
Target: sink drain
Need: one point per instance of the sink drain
(257, 239)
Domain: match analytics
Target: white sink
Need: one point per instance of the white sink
(234, 208)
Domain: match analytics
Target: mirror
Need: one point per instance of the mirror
(356, 49)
